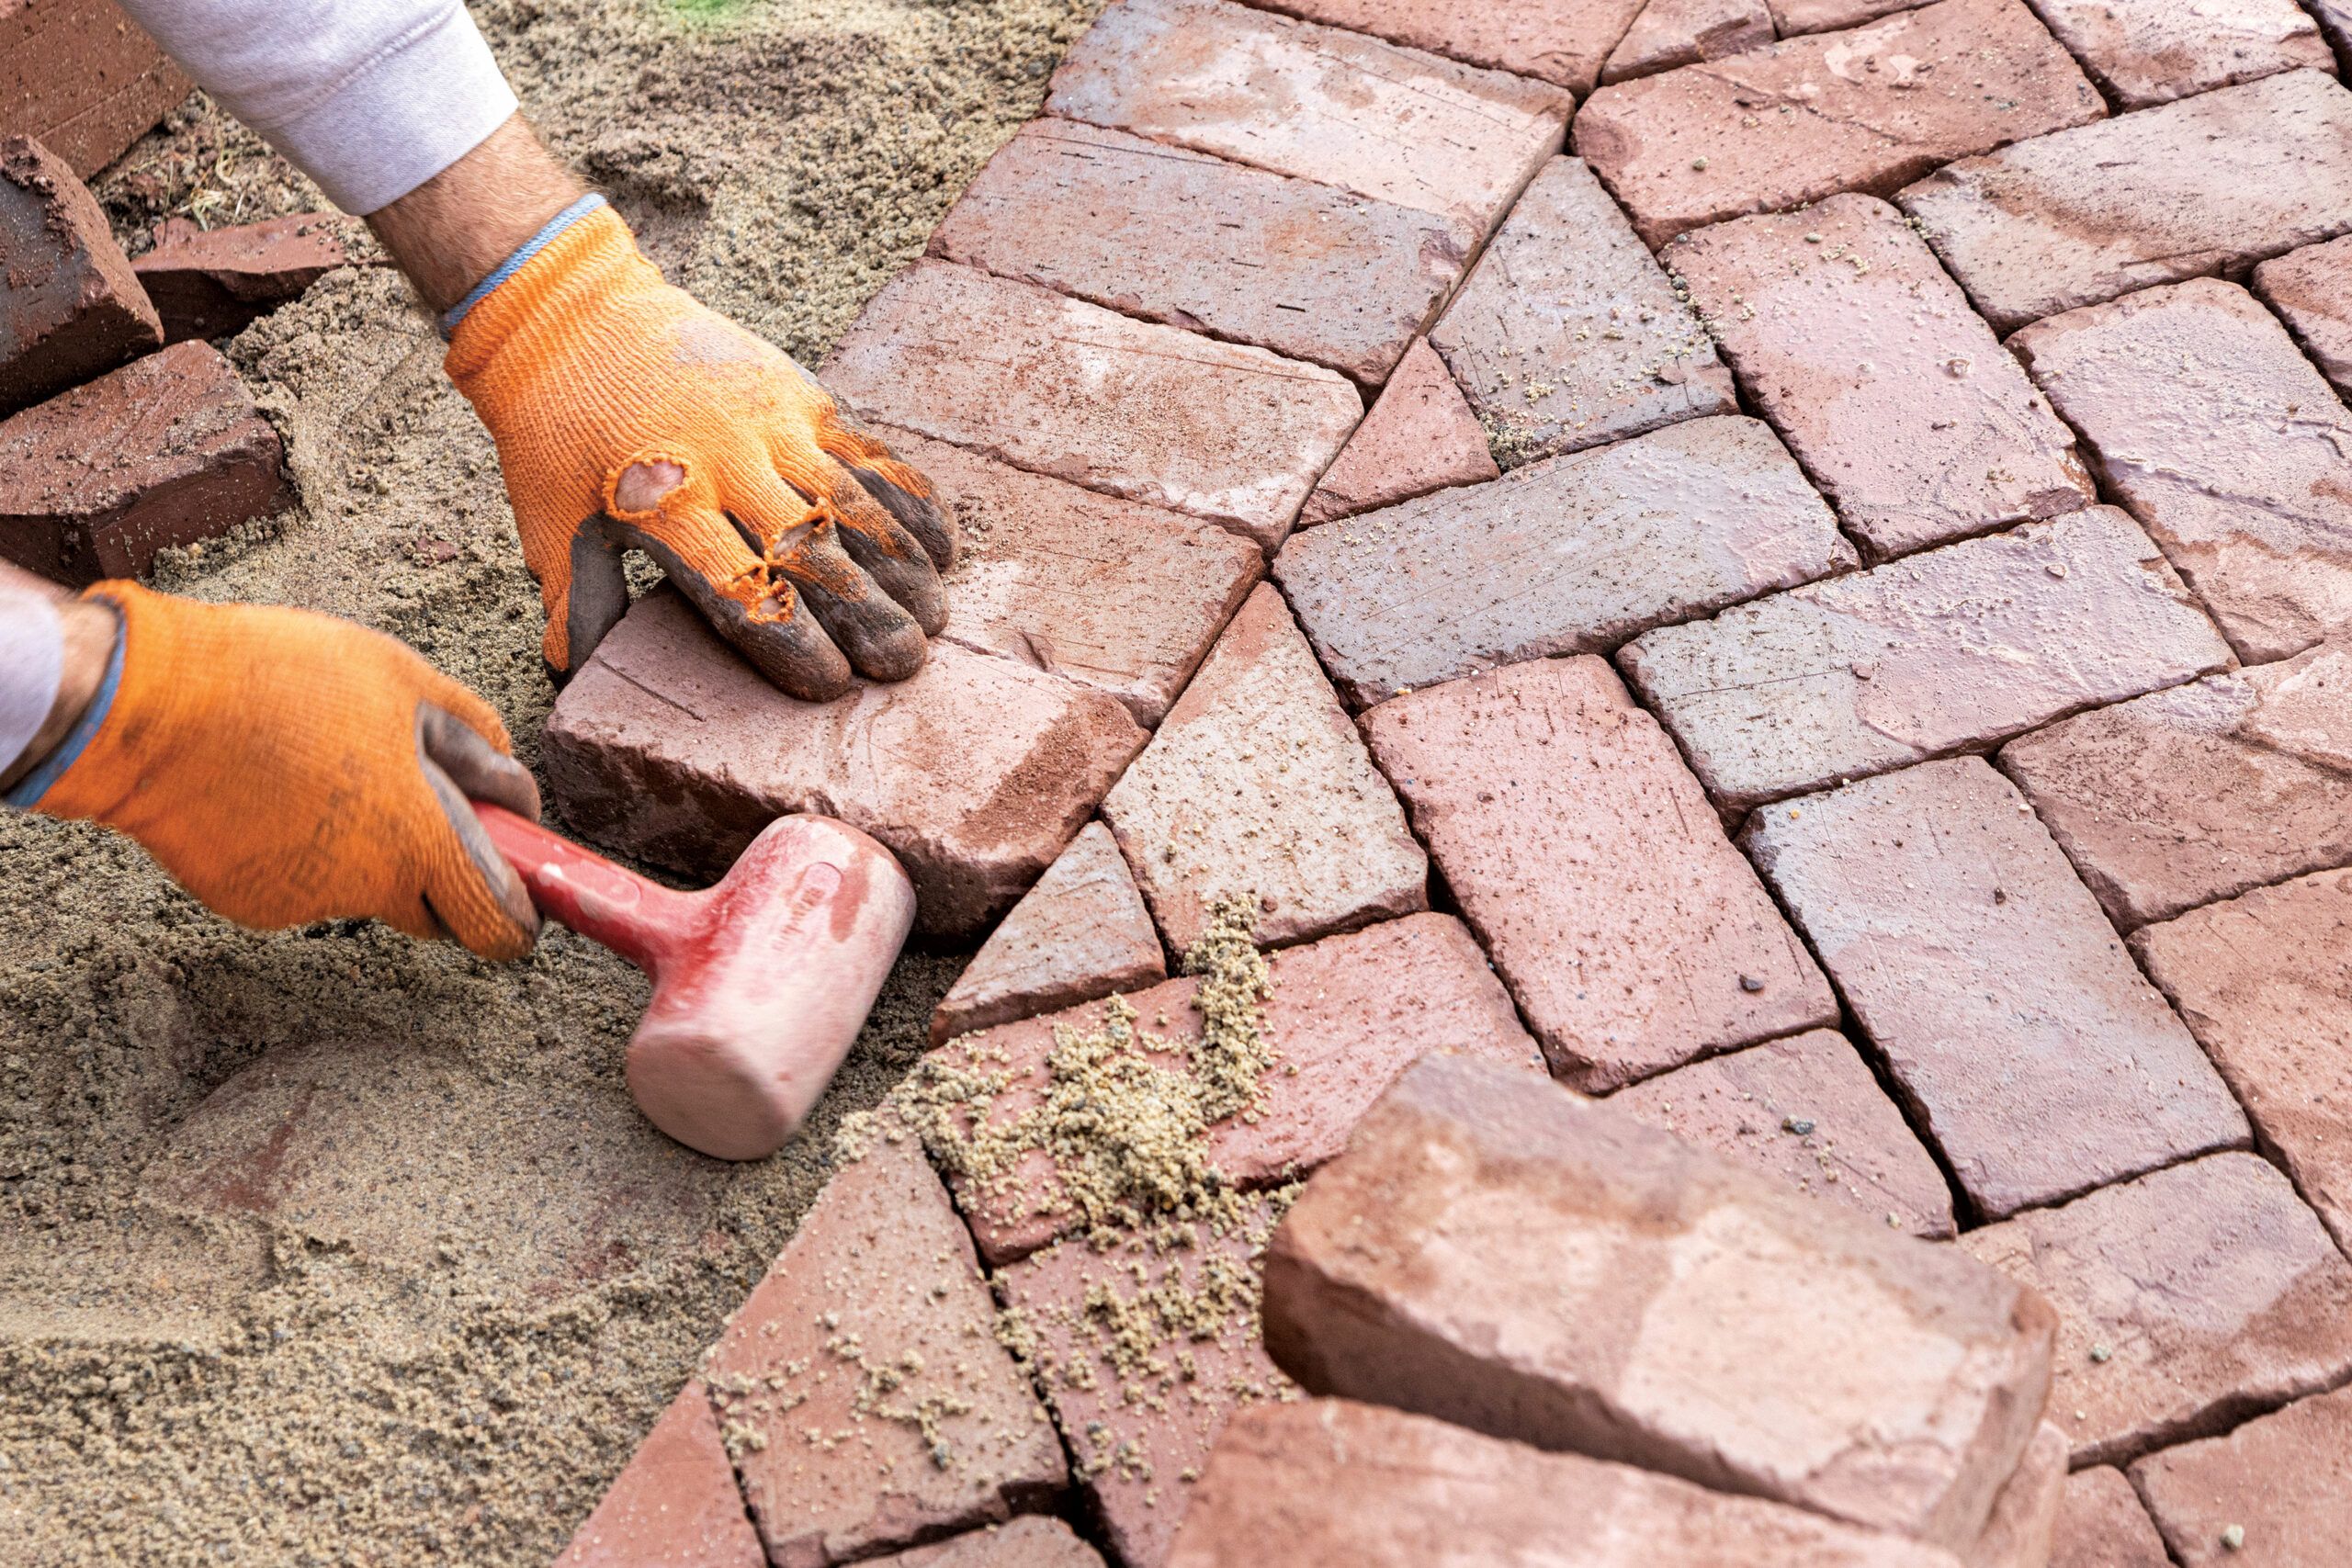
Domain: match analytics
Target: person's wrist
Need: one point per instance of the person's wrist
(88, 629)
(460, 226)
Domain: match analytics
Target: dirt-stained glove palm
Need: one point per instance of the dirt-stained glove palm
(800, 539)
(287, 767)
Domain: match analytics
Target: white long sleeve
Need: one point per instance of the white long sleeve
(32, 661)
(371, 99)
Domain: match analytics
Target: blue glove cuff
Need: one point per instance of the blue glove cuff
(523, 252)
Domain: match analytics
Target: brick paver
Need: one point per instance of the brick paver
(1537, 1267)
(2102, 1525)
(1807, 1111)
(165, 452)
(1344, 1485)
(2195, 794)
(1156, 231)
(861, 1388)
(1954, 649)
(2187, 1300)
(1145, 1346)
(2152, 52)
(2312, 291)
(975, 773)
(2041, 1062)
(1850, 337)
(1567, 335)
(1683, 32)
(1349, 1013)
(80, 77)
(2209, 426)
(1419, 436)
(2025, 1513)
(212, 283)
(1572, 554)
(1864, 110)
(1562, 41)
(72, 307)
(1258, 784)
(1582, 852)
(1029, 1541)
(2265, 982)
(1081, 933)
(1119, 596)
(675, 1503)
(1794, 16)
(1061, 387)
(1316, 102)
(2276, 1492)
(2208, 185)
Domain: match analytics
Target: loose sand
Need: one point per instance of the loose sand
(481, 1274)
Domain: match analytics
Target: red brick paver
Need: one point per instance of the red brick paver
(1861, 110)
(2312, 291)
(1807, 1111)
(1794, 16)
(2187, 1300)
(1328, 106)
(2152, 52)
(1344, 1485)
(1155, 232)
(2209, 428)
(675, 1505)
(975, 773)
(1954, 649)
(1418, 437)
(2209, 184)
(1027, 1542)
(1081, 933)
(2192, 795)
(1894, 395)
(1349, 1013)
(1563, 42)
(2024, 1514)
(1061, 387)
(1581, 851)
(2275, 1493)
(211, 283)
(2102, 1525)
(862, 1390)
(2008, 1012)
(1683, 32)
(72, 307)
(2264, 981)
(1258, 784)
(1572, 554)
(80, 77)
(1568, 335)
(1537, 1267)
(165, 452)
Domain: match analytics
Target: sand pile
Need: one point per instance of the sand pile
(481, 1274)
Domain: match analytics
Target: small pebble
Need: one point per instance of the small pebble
(2234, 1538)
(2101, 1353)
(1802, 1126)
(1699, 163)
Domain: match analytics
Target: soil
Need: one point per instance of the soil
(324, 1247)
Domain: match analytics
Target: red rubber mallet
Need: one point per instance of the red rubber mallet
(760, 983)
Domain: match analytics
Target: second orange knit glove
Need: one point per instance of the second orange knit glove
(797, 535)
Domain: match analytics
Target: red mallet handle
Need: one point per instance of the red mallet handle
(643, 922)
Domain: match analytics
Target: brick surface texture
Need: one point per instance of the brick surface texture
(2004, 1007)
(1155, 232)
(1631, 933)
(166, 451)
(675, 1504)
(2209, 184)
(879, 1280)
(2025, 1513)
(2152, 52)
(2187, 1300)
(1324, 105)
(1081, 933)
(1795, 17)
(1537, 1267)
(1850, 337)
(1349, 1012)
(2265, 982)
(2312, 291)
(1134, 408)
(1683, 32)
(1118, 596)
(78, 75)
(1258, 784)
(1030, 1541)
(1863, 110)
(2283, 1482)
(1345, 1486)
(2102, 1525)
(1807, 1111)
(2209, 426)
(1568, 335)
(214, 283)
(72, 307)
(2200, 792)
(1572, 554)
(1418, 437)
(1954, 649)
(975, 773)
(1563, 42)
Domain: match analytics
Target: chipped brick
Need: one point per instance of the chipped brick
(214, 283)
(78, 75)
(1581, 851)
(1863, 110)
(2282, 1483)
(71, 309)
(2152, 52)
(1954, 649)
(2102, 1525)
(1683, 32)
(2038, 1058)
(1419, 436)
(675, 1503)
(1897, 399)
(1562, 41)
(1030, 1541)
(2312, 290)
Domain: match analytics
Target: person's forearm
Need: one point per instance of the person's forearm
(454, 230)
(59, 646)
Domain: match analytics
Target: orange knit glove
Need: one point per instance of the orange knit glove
(285, 767)
(797, 535)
